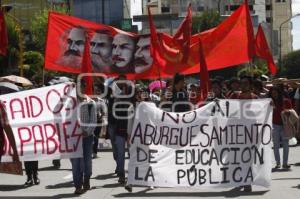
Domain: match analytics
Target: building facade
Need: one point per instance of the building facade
(282, 12)
(271, 14)
(100, 11)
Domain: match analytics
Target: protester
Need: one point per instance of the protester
(216, 89)
(194, 93)
(82, 167)
(234, 86)
(180, 98)
(281, 104)
(31, 169)
(98, 91)
(258, 88)
(6, 128)
(246, 84)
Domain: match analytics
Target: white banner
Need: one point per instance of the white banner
(44, 123)
(221, 144)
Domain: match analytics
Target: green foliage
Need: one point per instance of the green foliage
(39, 26)
(34, 62)
(258, 68)
(209, 19)
(291, 65)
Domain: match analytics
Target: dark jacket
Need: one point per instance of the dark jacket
(181, 98)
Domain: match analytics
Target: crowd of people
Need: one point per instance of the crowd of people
(111, 111)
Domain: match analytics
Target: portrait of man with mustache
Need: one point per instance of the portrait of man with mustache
(142, 57)
(123, 48)
(74, 48)
(101, 51)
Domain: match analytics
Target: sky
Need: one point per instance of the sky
(296, 24)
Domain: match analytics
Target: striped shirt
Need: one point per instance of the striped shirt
(88, 117)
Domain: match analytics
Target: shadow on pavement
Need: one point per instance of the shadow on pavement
(286, 179)
(228, 194)
(12, 187)
(52, 168)
(105, 176)
(281, 170)
(60, 185)
(58, 196)
(296, 164)
(115, 185)
(297, 187)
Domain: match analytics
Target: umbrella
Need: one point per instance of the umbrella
(16, 79)
(60, 80)
(157, 84)
(7, 87)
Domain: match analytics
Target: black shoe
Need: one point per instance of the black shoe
(29, 182)
(36, 180)
(121, 180)
(277, 166)
(286, 166)
(56, 164)
(247, 188)
(86, 185)
(78, 191)
(128, 188)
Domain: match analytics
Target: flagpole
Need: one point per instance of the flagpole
(43, 76)
(159, 76)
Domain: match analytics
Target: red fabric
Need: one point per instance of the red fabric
(183, 35)
(287, 104)
(3, 35)
(243, 96)
(87, 67)
(229, 44)
(262, 50)
(3, 120)
(204, 76)
(59, 26)
(155, 45)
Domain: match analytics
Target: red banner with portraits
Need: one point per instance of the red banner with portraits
(114, 51)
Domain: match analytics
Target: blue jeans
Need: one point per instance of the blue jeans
(278, 135)
(120, 153)
(82, 167)
(111, 132)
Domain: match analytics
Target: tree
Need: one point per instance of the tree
(39, 28)
(34, 57)
(207, 20)
(10, 62)
(291, 65)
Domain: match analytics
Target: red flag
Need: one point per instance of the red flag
(183, 35)
(87, 67)
(231, 43)
(155, 45)
(3, 35)
(262, 50)
(204, 76)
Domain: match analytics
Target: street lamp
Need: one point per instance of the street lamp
(280, 42)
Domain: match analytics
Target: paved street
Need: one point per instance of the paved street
(58, 184)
